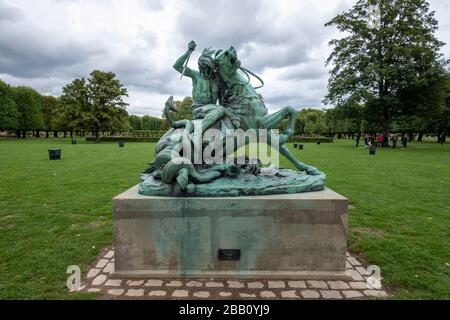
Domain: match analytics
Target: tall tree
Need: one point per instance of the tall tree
(49, 113)
(441, 121)
(29, 107)
(135, 122)
(97, 104)
(146, 123)
(183, 109)
(389, 47)
(8, 108)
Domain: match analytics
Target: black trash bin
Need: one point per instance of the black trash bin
(121, 144)
(295, 145)
(372, 150)
(54, 154)
(74, 141)
(300, 146)
(318, 142)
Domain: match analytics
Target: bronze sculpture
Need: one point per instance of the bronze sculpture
(224, 101)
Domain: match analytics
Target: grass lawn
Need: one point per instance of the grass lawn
(58, 213)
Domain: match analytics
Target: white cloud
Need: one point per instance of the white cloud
(48, 43)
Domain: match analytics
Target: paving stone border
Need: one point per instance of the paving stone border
(98, 280)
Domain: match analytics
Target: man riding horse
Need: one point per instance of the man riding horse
(217, 80)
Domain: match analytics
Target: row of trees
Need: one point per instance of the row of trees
(20, 108)
(145, 123)
(387, 70)
(349, 120)
(92, 105)
(387, 75)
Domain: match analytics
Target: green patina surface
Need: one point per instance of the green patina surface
(224, 100)
(246, 184)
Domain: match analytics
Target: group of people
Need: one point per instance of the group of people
(382, 140)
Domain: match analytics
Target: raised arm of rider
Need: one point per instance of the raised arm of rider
(179, 65)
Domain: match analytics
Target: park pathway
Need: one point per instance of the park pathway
(98, 280)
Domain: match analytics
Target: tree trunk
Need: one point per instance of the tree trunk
(420, 137)
(65, 134)
(411, 136)
(38, 134)
(71, 134)
(97, 136)
(18, 134)
(46, 134)
(55, 134)
(24, 134)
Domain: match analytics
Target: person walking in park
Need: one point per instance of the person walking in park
(442, 138)
(372, 140)
(366, 140)
(385, 143)
(358, 138)
(394, 141)
(379, 140)
(404, 141)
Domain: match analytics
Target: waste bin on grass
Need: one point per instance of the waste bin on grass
(54, 154)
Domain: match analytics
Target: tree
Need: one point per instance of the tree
(146, 123)
(441, 121)
(74, 110)
(377, 64)
(312, 121)
(8, 108)
(96, 104)
(155, 123)
(49, 113)
(183, 109)
(299, 124)
(29, 107)
(135, 122)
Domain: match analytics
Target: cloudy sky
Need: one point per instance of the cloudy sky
(48, 43)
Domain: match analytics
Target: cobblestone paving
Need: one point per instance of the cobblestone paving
(98, 280)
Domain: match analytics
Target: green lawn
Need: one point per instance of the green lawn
(58, 213)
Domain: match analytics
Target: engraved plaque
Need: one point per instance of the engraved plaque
(229, 255)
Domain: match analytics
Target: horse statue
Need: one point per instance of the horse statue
(173, 171)
(240, 96)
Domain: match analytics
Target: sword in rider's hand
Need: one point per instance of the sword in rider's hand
(186, 64)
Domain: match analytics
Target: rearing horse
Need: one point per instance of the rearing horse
(240, 96)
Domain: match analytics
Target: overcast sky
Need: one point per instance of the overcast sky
(48, 43)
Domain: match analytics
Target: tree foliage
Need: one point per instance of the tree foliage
(135, 122)
(96, 104)
(183, 109)
(8, 108)
(29, 107)
(381, 65)
(49, 112)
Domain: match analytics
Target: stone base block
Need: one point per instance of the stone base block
(292, 236)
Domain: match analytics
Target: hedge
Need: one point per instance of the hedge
(156, 139)
(311, 139)
(122, 139)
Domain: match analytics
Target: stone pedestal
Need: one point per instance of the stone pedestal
(291, 236)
